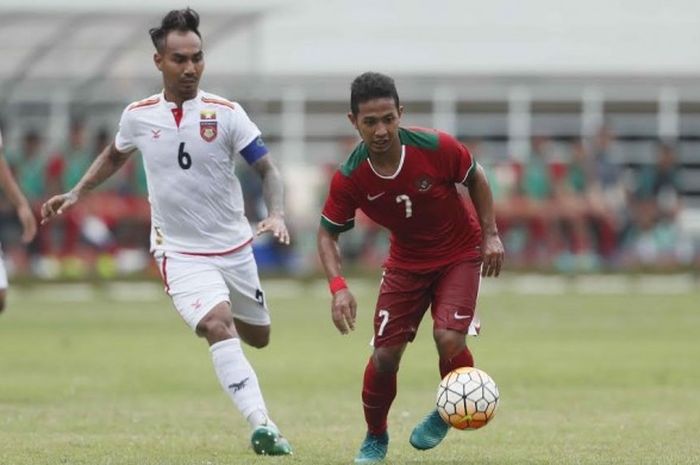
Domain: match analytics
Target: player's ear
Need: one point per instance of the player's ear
(158, 60)
(400, 110)
(353, 119)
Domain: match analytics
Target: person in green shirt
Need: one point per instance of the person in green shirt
(76, 157)
(29, 164)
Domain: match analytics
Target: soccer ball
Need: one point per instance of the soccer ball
(467, 398)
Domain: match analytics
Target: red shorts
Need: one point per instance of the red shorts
(404, 296)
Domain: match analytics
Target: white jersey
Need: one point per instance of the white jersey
(196, 199)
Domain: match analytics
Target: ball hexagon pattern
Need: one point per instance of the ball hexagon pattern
(467, 398)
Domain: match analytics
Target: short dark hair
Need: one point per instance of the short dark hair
(368, 86)
(176, 20)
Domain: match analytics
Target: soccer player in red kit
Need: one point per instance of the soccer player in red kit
(405, 180)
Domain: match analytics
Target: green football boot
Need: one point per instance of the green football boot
(429, 432)
(373, 449)
(267, 440)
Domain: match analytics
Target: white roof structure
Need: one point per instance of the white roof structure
(82, 47)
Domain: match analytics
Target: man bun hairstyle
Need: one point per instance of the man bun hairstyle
(368, 86)
(176, 20)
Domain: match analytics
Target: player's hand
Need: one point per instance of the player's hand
(26, 218)
(275, 224)
(56, 205)
(344, 311)
(493, 255)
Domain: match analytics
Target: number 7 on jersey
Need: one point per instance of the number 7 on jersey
(408, 204)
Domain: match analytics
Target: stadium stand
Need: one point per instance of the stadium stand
(83, 67)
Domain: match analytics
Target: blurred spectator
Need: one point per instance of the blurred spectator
(609, 177)
(30, 165)
(76, 157)
(585, 186)
(536, 182)
(655, 238)
(557, 216)
(658, 185)
(513, 217)
(64, 170)
(102, 139)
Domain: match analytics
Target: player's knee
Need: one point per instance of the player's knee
(258, 340)
(449, 342)
(2, 301)
(214, 329)
(386, 361)
(254, 335)
(259, 343)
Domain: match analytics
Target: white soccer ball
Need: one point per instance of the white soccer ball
(467, 398)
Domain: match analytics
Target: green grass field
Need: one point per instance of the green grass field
(607, 379)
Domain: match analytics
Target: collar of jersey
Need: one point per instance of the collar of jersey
(398, 170)
(170, 105)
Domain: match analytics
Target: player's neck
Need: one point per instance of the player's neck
(386, 163)
(177, 99)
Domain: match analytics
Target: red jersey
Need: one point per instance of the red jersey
(429, 221)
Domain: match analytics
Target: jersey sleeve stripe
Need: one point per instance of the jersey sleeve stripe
(469, 171)
(216, 101)
(144, 103)
(334, 227)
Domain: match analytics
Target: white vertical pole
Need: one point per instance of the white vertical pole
(293, 116)
(445, 110)
(668, 117)
(59, 119)
(519, 121)
(592, 117)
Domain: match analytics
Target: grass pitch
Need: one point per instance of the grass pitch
(603, 379)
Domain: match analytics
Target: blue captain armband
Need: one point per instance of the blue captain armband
(254, 151)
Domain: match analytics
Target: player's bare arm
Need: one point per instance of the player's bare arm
(105, 165)
(273, 193)
(343, 306)
(491, 248)
(15, 196)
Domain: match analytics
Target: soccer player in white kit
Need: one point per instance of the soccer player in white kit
(24, 213)
(200, 237)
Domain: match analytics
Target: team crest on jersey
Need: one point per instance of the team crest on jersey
(208, 128)
(424, 183)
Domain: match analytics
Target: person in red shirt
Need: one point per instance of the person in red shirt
(405, 179)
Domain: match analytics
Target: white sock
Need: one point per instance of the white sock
(239, 380)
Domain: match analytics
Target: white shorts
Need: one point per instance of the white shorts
(3, 275)
(3, 272)
(197, 283)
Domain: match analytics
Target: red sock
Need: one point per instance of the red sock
(461, 359)
(378, 392)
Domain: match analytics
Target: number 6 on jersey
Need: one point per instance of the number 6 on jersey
(183, 158)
